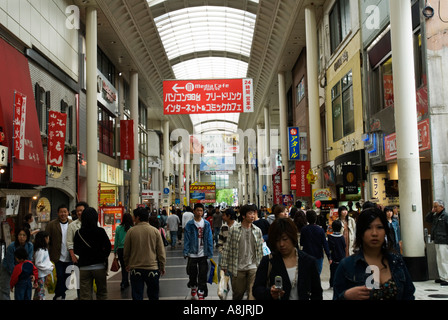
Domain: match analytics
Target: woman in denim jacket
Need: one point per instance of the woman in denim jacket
(390, 279)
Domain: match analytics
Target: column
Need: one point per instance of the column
(135, 168)
(187, 178)
(260, 175)
(250, 183)
(92, 107)
(283, 132)
(267, 132)
(166, 153)
(315, 131)
(244, 183)
(409, 184)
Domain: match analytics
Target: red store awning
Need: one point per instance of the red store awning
(15, 77)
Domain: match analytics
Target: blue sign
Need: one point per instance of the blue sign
(265, 188)
(166, 190)
(293, 143)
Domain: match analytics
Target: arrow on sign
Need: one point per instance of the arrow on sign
(175, 87)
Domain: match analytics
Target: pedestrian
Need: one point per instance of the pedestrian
(438, 218)
(348, 229)
(300, 221)
(120, 233)
(30, 223)
(242, 253)
(172, 223)
(198, 248)
(187, 216)
(24, 275)
(313, 240)
(394, 227)
(390, 279)
(42, 263)
(228, 218)
(59, 254)
(280, 211)
(144, 256)
(180, 228)
(217, 223)
(92, 244)
(263, 224)
(297, 269)
(22, 239)
(337, 246)
(74, 226)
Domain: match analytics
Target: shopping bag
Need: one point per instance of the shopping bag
(223, 286)
(50, 281)
(266, 249)
(213, 272)
(115, 265)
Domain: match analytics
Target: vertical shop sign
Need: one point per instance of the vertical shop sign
(277, 183)
(57, 126)
(293, 143)
(19, 125)
(303, 186)
(127, 139)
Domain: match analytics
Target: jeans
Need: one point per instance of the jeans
(140, 277)
(61, 276)
(124, 273)
(22, 290)
(320, 263)
(173, 235)
(197, 269)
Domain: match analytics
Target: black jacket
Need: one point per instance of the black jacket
(92, 245)
(308, 283)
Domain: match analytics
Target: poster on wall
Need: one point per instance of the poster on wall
(109, 219)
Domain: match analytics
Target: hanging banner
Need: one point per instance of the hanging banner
(127, 139)
(303, 187)
(19, 125)
(208, 96)
(277, 183)
(293, 143)
(57, 126)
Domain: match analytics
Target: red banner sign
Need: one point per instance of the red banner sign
(127, 139)
(207, 96)
(424, 142)
(277, 183)
(57, 126)
(303, 186)
(19, 125)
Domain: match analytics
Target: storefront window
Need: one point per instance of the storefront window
(343, 108)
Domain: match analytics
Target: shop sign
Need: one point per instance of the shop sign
(208, 96)
(19, 125)
(277, 186)
(107, 95)
(293, 143)
(56, 141)
(127, 139)
(303, 186)
(424, 142)
(350, 179)
(357, 158)
(321, 194)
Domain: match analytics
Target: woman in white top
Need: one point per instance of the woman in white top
(348, 229)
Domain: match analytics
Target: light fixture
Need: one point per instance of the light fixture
(428, 11)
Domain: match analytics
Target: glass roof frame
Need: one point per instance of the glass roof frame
(214, 29)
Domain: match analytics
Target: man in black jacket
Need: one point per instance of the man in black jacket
(439, 233)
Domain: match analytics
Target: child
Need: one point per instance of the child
(42, 263)
(24, 276)
(336, 243)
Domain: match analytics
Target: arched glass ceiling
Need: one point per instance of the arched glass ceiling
(210, 68)
(199, 29)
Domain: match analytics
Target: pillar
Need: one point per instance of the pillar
(166, 153)
(135, 168)
(267, 132)
(283, 128)
(409, 184)
(315, 130)
(92, 107)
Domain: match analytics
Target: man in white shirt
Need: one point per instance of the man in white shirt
(187, 216)
(172, 223)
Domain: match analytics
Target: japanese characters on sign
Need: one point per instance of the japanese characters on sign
(56, 138)
(207, 96)
(19, 125)
(127, 139)
(293, 143)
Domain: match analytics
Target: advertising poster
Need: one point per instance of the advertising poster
(203, 192)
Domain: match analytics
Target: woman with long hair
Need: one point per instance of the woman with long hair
(374, 271)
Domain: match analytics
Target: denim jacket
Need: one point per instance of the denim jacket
(352, 273)
(191, 239)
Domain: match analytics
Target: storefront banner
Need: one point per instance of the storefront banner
(293, 179)
(203, 193)
(350, 179)
(277, 184)
(293, 143)
(127, 139)
(207, 96)
(57, 127)
(303, 186)
(424, 142)
(19, 125)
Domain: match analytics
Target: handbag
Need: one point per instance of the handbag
(223, 286)
(115, 265)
